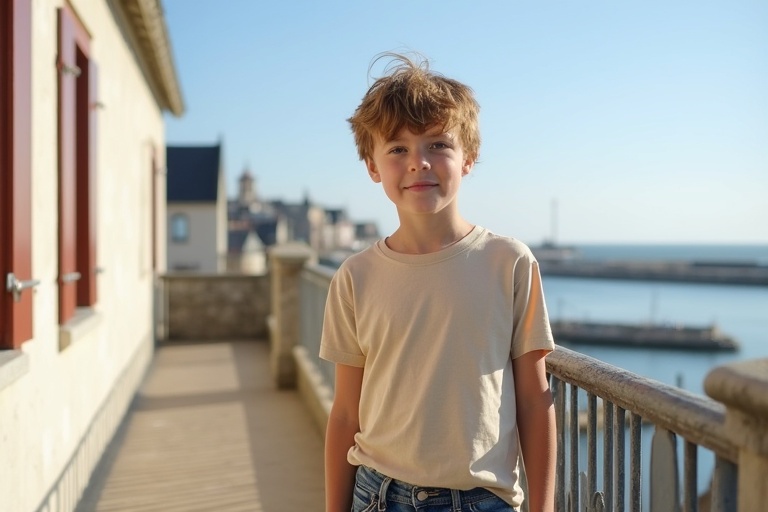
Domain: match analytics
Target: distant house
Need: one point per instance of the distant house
(300, 221)
(246, 253)
(329, 232)
(253, 226)
(366, 233)
(83, 87)
(197, 209)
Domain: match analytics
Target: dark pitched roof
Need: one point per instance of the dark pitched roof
(236, 239)
(243, 240)
(193, 173)
(267, 231)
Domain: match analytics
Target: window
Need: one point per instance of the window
(77, 173)
(179, 227)
(15, 171)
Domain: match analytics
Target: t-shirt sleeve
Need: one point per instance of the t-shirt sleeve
(531, 329)
(339, 343)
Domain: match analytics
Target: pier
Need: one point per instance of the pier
(735, 273)
(643, 336)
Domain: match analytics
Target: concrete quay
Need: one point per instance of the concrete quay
(684, 272)
(208, 431)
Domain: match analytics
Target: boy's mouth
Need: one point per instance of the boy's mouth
(421, 185)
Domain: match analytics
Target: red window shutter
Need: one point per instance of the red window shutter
(15, 168)
(86, 181)
(67, 62)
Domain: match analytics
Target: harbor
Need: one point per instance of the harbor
(708, 338)
(733, 273)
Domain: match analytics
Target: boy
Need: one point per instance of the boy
(439, 332)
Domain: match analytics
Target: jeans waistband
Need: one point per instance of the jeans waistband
(389, 489)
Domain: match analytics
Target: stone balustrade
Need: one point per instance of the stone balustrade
(286, 263)
(743, 388)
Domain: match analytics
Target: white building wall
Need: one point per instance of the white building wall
(221, 223)
(201, 252)
(47, 411)
(345, 235)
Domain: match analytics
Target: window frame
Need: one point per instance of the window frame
(77, 88)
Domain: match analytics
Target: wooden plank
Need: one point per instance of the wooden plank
(207, 431)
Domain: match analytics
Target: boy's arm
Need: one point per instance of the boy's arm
(343, 424)
(536, 426)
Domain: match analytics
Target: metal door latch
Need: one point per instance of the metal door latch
(15, 287)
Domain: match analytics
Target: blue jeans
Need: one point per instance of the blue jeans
(375, 492)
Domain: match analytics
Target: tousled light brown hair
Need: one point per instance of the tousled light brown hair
(411, 95)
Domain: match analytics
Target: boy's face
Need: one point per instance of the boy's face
(420, 173)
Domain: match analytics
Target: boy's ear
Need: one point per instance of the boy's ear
(469, 164)
(372, 171)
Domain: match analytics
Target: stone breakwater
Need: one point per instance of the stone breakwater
(657, 336)
(688, 272)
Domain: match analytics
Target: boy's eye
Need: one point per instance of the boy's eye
(397, 150)
(440, 145)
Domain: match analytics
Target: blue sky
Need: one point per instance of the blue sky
(644, 121)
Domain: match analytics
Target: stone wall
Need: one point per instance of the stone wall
(217, 306)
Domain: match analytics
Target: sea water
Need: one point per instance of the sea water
(738, 311)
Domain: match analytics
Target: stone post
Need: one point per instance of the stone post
(286, 264)
(743, 388)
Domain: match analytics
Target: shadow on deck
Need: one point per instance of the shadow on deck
(207, 431)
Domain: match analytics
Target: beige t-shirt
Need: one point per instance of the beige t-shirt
(436, 334)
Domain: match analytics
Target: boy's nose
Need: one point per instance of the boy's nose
(419, 162)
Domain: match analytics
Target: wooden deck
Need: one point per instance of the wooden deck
(208, 431)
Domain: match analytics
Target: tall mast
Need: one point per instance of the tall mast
(553, 221)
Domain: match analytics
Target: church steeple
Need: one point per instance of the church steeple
(247, 189)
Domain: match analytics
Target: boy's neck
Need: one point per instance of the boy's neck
(427, 237)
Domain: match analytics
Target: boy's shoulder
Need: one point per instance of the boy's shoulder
(509, 245)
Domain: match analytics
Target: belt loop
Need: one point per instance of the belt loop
(456, 500)
(383, 493)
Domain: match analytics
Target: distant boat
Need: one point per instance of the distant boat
(551, 252)
(708, 338)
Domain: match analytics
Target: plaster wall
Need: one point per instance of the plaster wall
(49, 411)
(221, 222)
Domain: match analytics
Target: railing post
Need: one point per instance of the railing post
(286, 263)
(743, 388)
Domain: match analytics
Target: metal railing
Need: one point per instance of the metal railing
(601, 454)
(631, 404)
(315, 280)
